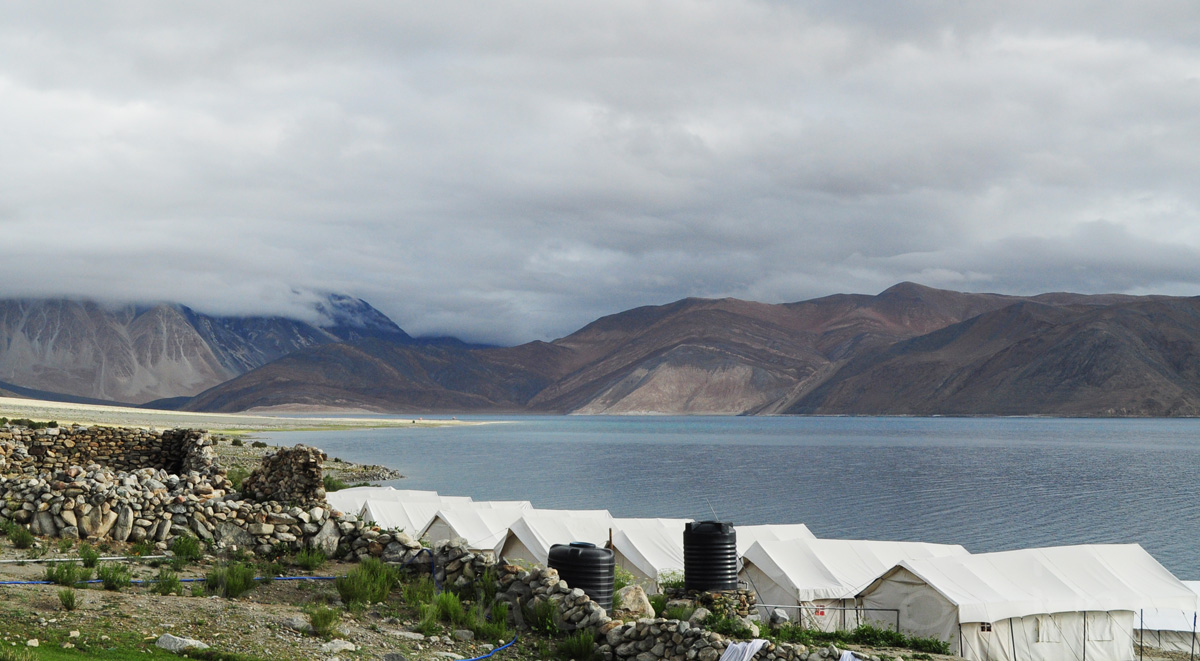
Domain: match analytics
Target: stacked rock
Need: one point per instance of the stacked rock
(291, 475)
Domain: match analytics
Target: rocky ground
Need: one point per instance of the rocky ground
(248, 457)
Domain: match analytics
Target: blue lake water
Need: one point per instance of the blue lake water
(989, 484)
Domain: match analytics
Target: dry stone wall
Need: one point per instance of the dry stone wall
(134, 485)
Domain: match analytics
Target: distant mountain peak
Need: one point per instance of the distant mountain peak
(351, 318)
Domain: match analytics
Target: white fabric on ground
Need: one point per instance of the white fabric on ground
(743, 651)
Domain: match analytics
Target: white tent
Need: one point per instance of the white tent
(819, 578)
(502, 504)
(647, 546)
(484, 528)
(529, 538)
(1052, 604)
(1171, 629)
(748, 535)
(352, 499)
(410, 516)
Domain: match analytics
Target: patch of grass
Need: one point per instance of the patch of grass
(331, 483)
(65, 545)
(622, 577)
(267, 571)
(580, 646)
(449, 608)
(428, 624)
(66, 597)
(231, 580)
(324, 621)
(928, 646)
(368, 583)
(865, 634)
(20, 536)
(670, 579)
(677, 613)
(114, 576)
(659, 603)
(167, 582)
(16, 654)
(89, 555)
(727, 626)
(141, 548)
(539, 615)
(310, 559)
(494, 629)
(67, 573)
(420, 591)
(186, 549)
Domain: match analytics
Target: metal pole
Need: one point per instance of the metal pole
(1142, 634)
(1192, 657)
(1084, 635)
(1013, 637)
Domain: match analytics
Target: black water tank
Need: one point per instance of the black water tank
(584, 566)
(710, 556)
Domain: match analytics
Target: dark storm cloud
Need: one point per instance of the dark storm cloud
(510, 171)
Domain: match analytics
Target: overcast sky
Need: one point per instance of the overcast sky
(509, 171)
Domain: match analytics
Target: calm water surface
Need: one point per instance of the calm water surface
(989, 484)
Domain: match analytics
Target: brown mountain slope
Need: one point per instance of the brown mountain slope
(1140, 357)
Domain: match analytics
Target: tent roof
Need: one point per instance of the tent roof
(652, 545)
(538, 530)
(483, 527)
(989, 587)
(1172, 619)
(836, 568)
(410, 516)
(352, 499)
(748, 535)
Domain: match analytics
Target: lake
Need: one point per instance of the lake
(990, 484)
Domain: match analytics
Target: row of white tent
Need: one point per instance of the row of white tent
(1073, 603)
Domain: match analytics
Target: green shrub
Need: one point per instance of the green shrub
(67, 573)
(310, 559)
(20, 536)
(450, 609)
(237, 443)
(258, 444)
(928, 645)
(66, 597)
(236, 476)
(89, 555)
(670, 579)
(428, 624)
(419, 591)
(231, 580)
(267, 571)
(186, 549)
(727, 626)
(324, 621)
(114, 576)
(368, 583)
(622, 577)
(580, 646)
(539, 615)
(167, 582)
(494, 629)
(65, 545)
(676, 612)
(659, 603)
(331, 483)
(198, 589)
(143, 547)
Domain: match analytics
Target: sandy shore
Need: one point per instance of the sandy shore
(88, 414)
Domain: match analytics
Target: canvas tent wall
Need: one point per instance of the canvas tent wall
(816, 580)
(484, 528)
(1067, 603)
(529, 538)
(1171, 629)
(646, 547)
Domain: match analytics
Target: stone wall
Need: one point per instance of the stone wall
(134, 485)
(291, 475)
(31, 452)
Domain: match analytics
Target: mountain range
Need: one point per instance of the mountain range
(910, 350)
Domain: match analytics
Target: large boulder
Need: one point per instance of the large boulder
(632, 601)
(177, 644)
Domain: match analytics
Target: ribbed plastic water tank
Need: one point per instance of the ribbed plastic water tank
(710, 556)
(587, 567)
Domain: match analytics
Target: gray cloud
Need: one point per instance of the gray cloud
(510, 171)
